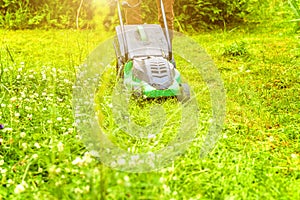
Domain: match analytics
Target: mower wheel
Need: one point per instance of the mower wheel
(185, 93)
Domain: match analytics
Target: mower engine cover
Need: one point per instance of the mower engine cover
(152, 77)
(142, 55)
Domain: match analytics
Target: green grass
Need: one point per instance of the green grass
(258, 156)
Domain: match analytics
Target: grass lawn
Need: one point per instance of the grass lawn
(257, 157)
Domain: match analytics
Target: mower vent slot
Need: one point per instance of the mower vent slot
(159, 69)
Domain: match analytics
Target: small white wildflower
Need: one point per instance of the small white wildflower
(58, 183)
(37, 145)
(24, 145)
(271, 138)
(30, 76)
(22, 134)
(1, 162)
(161, 179)
(59, 119)
(13, 99)
(40, 170)
(166, 189)
(86, 188)
(10, 182)
(28, 108)
(294, 156)
(52, 169)
(19, 189)
(49, 121)
(35, 156)
(77, 161)
(3, 105)
(23, 95)
(126, 178)
(18, 76)
(60, 146)
(8, 129)
(57, 170)
(121, 162)
(151, 136)
(78, 190)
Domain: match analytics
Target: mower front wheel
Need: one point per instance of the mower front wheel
(185, 93)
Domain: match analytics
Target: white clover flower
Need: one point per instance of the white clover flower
(1, 162)
(78, 190)
(60, 146)
(87, 158)
(162, 179)
(28, 108)
(166, 189)
(19, 189)
(3, 105)
(3, 171)
(77, 161)
(57, 170)
(86, 188)
(59, 119)
(22, 134)
(8, 129)
(24, 145)
(126, 178)
(35, 156)
(13, 99)
(18, 76)
(294, 156)
(37, 145)
(22, 94)
(58, 183)
(10, 182)
(121, 161)
(40, 170)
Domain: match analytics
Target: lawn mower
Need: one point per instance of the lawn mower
(145, 62)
